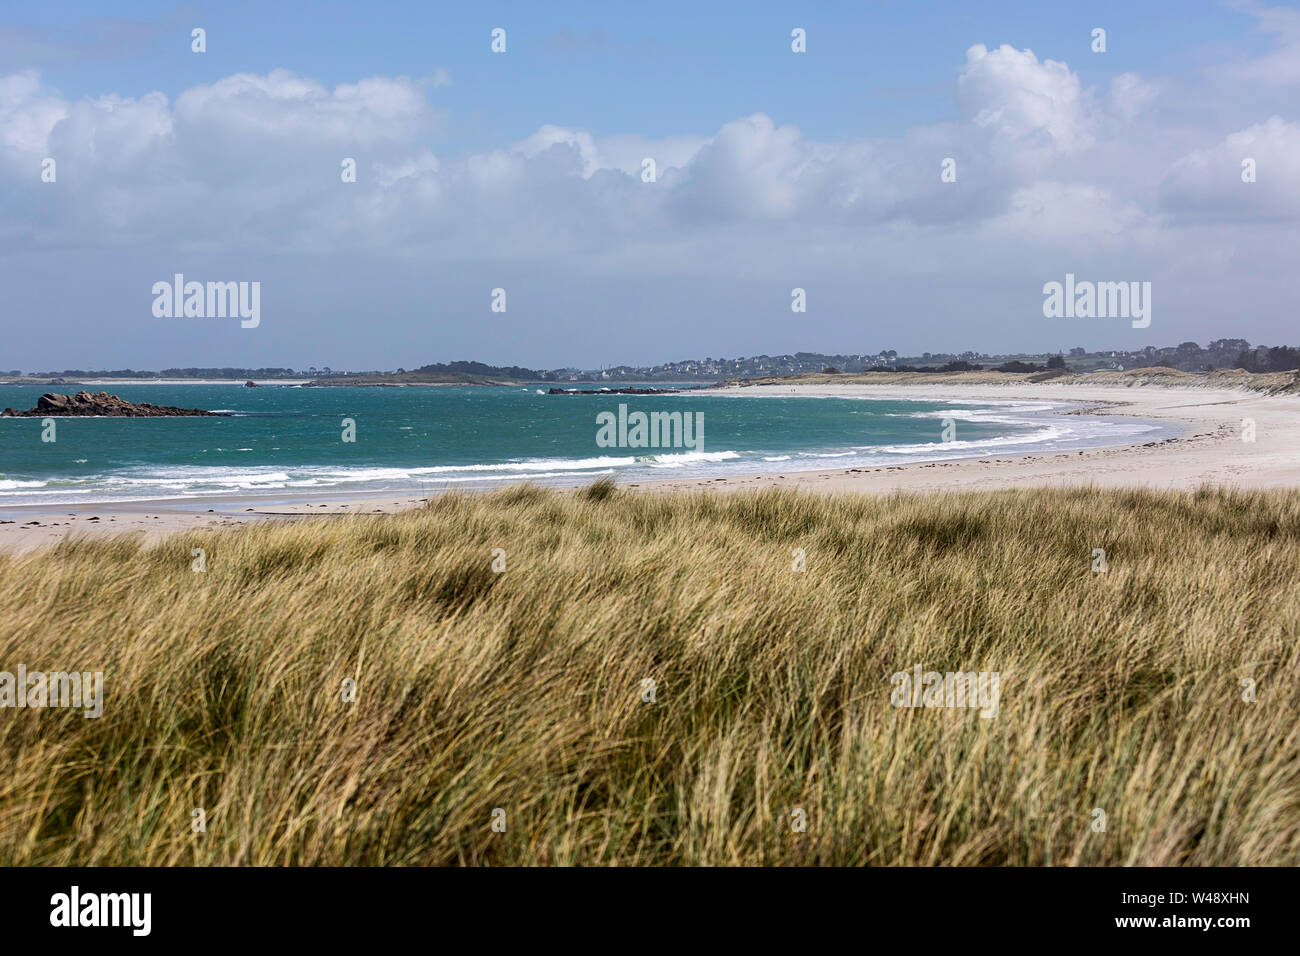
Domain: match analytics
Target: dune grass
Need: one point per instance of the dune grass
(525, 690)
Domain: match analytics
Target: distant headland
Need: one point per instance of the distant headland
(1186, 357)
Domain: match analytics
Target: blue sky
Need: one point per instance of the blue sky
(520, 171)
(876, 67)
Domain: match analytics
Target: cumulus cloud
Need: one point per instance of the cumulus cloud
(1024, 103)
(1208, 183)
(1049, 173)
(27, 114)
(1073, 214)
(752, 169)
(261, 153)
(1130, 95)
(284, 106)
(624, 153)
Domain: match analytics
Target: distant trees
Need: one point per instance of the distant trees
(1056, 361)
(459, 368)
(1283, 359)
(1228, 345)
(1222, 353)
(1279, 358)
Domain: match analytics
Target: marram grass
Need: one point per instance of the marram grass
(523, 690)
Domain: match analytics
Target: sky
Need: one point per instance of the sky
(524, 171)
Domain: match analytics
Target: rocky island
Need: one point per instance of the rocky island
(54, 405)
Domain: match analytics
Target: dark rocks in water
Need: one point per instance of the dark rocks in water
(251, 384)
(54, 405)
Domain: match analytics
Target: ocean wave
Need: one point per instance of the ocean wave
(1012, 427)
(510, 467)
(681, 460)
(1009, 415)
(219, 478)
(531, 476)
(1056, 435)
(1033, 438)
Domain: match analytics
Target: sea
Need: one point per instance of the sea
(285, 442)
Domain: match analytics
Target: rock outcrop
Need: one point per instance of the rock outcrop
(54, 405)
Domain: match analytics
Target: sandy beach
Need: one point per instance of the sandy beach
(1210, 449)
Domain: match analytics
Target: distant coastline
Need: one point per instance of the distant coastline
(1270, 382)
(1228, 354)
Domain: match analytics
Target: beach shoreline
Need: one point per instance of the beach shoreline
(1209, 449)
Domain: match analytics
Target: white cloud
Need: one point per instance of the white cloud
(622, 153)
(261, 154)
(1077, 215)
(27, 114)
(752, 169)
(1207, 183)
(283, 106)
(1024, 103)
(1048, 172)
(1130, 95)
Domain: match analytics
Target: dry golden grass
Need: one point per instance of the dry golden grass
(523, 690)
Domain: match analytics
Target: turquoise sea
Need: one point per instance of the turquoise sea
(287, 441)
